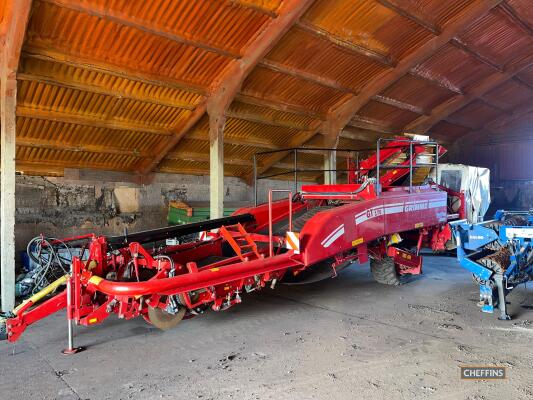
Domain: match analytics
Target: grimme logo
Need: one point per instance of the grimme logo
(482, 373)
(416, 207)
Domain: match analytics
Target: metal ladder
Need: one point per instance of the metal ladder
(239, 240)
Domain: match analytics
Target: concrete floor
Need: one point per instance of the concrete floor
(344, 338)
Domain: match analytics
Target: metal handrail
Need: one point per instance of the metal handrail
(296, 171)
(270, 224)
(411, 166)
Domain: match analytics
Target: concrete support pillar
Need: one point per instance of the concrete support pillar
(8, 98)
(330, 162)
(216, 165)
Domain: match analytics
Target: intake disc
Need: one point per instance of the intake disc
(164, 320)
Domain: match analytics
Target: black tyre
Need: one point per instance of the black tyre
(384, 271)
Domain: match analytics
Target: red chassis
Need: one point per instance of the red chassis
(165, 284)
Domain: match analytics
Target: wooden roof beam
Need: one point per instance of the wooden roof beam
(55, 164)
(88, 148)
(517, 19)
(362, 135)
(121, 18)
(226, 86)
(186, 155)
(254, 141)
(399, 104)
(255, 7)
(279, 106)
(413, 17)
(341, 115)
(302, 74)
(251, 117)
(482, 59)
(346, 45)
(35, 113)
(123, 72)
(442, 111)
(116, 93)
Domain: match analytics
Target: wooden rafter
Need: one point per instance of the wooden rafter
(97, 89)
(226, 86)
(23, 165)
(347, 46)
(88, 148)
(255, 7)
(307, 76)
(279, 106)
(47, 115)
(341, 116)
(260, 119)
(344, 113)
(418, 19)
(252, 141)
(424, 123)
(102, 67)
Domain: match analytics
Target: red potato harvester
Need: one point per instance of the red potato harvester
(323, 226)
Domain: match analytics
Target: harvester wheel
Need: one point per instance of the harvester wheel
(384, 271)
(164, 320)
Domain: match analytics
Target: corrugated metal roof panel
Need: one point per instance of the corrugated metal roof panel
(76, 159)
(447, 131)
(368, 24)
(270, 5)
(453, 68)
(63, 134)
(219, 24)
(267, 84)
(418, 92)
(302, 121)
(117, 86)
(509, 95)
(386, 115)
(88, 36)
(496, 37)
(527, 75)
(524, 9)
(318, 56)
(50, 97)
(475, 115)
(436, 12)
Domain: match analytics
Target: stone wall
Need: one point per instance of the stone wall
(86, 201)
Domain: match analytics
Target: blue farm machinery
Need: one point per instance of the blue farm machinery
(499, 254)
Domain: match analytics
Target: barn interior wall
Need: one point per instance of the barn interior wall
(511, 168)
(104, 202)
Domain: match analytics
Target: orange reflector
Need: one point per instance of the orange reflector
(292, 241)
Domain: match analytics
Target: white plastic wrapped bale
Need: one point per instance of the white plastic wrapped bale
(474, 182)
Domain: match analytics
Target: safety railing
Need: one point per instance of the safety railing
(411, 166)
(270, 223)
(294, 152)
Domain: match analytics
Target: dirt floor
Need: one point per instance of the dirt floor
(344, 338)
